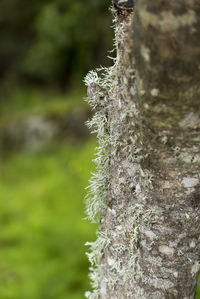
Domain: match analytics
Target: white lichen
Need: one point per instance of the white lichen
(145, 52)
(97, 190)
(192, 244)
(195, 268)
(154, 92)
(94, 256)
(164, 249)
(99, 183)
(151, 235)
(190, 182)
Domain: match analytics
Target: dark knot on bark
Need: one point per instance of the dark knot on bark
(122, 4)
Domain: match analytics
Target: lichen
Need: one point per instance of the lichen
(125, 140)
(195, 268)
(99, 181)
(167, 21)
(96, 252)
(97, 190)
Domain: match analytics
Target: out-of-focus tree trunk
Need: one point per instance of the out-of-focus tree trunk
(149, 244)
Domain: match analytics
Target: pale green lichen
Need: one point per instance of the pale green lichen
(127, 143)
(195, 268)
(99, 183)
(96, 252)
(97, 190)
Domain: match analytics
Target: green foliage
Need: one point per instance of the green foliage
(42, 230)
(53, 40)
(198, 291)
(21, 102)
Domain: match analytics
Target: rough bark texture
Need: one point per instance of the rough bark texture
(149, 245)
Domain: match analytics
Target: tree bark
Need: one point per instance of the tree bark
(149, 244)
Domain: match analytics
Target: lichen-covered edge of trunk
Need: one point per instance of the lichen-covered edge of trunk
(126, 235)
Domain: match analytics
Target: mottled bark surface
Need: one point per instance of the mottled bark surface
(152, 216)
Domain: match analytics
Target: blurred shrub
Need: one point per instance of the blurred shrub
(53, 40)
(41, 212)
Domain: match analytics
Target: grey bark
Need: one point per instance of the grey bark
(150, 226)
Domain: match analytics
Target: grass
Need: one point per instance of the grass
(42, 232)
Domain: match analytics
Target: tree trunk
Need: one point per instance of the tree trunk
(147, 189)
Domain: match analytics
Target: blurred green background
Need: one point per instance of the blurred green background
(46, 49)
